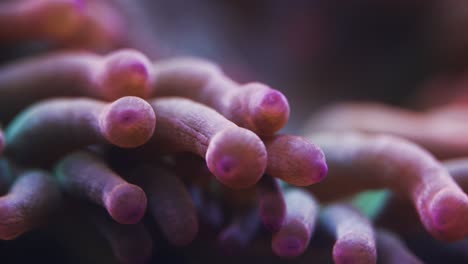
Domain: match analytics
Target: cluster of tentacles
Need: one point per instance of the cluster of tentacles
(138, 149)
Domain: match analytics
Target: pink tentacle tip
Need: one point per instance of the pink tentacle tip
(227, 165)
(449, 215)
(321, 170)
(295, 160)
(313, 166)
(269, 109)
(354, 250)
(126, 203)
(237, 157)
(127, 74)
(128, 122)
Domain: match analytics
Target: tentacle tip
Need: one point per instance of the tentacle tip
(289, 246)
(321, 172)
(228, 171)
(237, 157)
(269, 109)
(449, 214)
(315, 165)
(354, 251)
(226, 164)
(127, 75)
(309, 166)
(126, 203)
(275, 102)
(129, 122)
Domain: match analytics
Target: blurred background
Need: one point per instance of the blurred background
(409, 53)
(321, 51)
